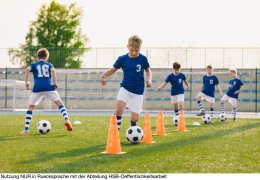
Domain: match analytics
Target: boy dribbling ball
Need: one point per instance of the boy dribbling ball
(235, 85)
(176, 78)
(207, 91)
(130, 94)
(45, 86)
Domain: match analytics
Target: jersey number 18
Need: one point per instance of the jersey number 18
(43, 70)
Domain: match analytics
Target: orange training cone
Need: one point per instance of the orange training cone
(148, 138)
(160, 129)
(181, 123)
(113, 141)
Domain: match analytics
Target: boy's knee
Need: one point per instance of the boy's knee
(58, 103)
(31, 107)
(198, 98)
(135, 117)
(119, 112)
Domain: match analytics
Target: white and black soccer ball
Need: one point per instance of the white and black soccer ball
(206, 119)
(44, 126)
(134, 134)
(223, 117)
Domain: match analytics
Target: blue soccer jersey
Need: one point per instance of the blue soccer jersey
(133, 71)
(42, 76)
(235, 85)
(209, 83)
(176, 82)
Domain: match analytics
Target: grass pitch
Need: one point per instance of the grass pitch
(230, 147)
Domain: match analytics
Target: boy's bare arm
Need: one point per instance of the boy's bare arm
(220, 90)
(236, 92)
(54, 78)
(186, 83)
(148, 77)
(202, 87)
(27, 74)
(107, 73)
(161, 86)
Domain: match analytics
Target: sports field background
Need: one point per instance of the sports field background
(80, 89)
(230, 147)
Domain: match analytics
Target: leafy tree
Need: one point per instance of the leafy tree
(57, 28)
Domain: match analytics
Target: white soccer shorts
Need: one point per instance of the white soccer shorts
(177, 98)
(232, 101)
(133, 101)
(207, 98)
(36, 98)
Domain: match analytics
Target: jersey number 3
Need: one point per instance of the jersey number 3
(138, 68)
(43, 70)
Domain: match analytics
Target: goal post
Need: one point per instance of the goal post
(13, 94)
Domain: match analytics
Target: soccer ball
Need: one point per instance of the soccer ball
(206, 119)
(134, 134)
(44, 126)
(223, 117)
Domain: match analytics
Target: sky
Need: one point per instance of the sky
(160, 23)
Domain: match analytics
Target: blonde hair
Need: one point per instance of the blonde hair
(42, 53)
(233, 70)
(135, 42)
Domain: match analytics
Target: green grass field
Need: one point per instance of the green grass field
(230, 147)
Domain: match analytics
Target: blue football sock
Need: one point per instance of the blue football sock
(28, 119)
(199, 103)
(222, 107)
(176, 112)
(64, 112)
(234, 112)
(133, 123)
(211, 112)
(119, 121)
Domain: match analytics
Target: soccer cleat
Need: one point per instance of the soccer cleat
(68, 125)
(25, 133)
(202, 113)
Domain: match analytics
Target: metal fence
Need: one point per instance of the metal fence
(80, 89)
(241, 58)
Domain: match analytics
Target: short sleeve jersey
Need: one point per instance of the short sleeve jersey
(176, 82)
(42, 76)
(133, 72)
(209, 83)
(235, 85)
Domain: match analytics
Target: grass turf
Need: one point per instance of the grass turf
(230, 147)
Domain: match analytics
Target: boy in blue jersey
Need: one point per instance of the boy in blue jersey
(235, 85)
(177, 90)
(207, 91)
(45, 85)
(130, 94)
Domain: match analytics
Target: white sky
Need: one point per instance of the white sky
(109, 23)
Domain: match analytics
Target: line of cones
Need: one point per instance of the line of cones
(113, 141)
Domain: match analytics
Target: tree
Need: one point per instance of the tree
(58, 29)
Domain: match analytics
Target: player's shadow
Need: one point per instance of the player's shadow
(10, 138)
(43, 136)
(44, 156)
(114, 160)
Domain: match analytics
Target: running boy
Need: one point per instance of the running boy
(45, 85)
(177, 91)
(235, 85)
(207, 91)
(131, 91)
